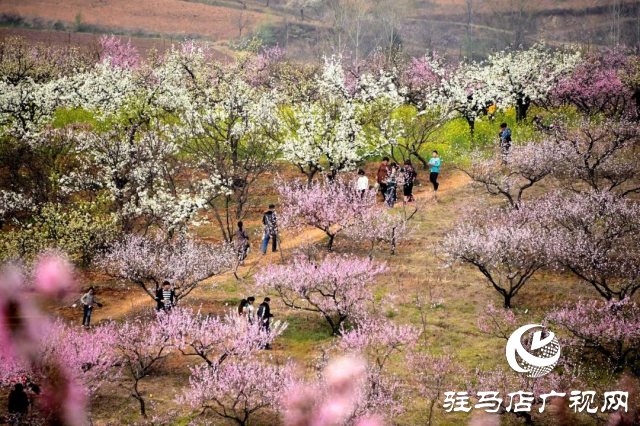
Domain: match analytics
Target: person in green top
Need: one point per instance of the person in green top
(434, 162)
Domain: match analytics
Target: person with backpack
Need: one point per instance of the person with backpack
(88, 300)
(505, 140)
(270, 222)
(434, 162)
(165, 296)
(409, 174)
(242, 242)
(264, 316)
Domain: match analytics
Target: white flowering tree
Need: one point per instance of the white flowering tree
(523, 77)
(232, 133)
(334, 130)
(464, 90)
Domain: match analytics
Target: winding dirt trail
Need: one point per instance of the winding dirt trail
(116, 307)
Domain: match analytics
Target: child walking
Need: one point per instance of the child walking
(434, 162)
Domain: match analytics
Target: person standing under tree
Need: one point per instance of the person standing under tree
(242, 242)
(409, 174)
(165, 296)
(381, 176)
(264, 315)
(434, 162)
(362, 185)
(88, 300)
(270, 222)
(392, 184)
(505, 140)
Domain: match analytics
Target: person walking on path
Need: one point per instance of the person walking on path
(88, 300)
(362, 184)
(165, 296)
(382, 174)
(264, 315)
(241, 242)
(505, 140)
(270, 222)
(392, 184)
(434, 162)
(409, 174)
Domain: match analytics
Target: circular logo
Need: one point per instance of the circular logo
(540, 358)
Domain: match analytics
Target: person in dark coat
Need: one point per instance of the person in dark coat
(270, 222)
(18, 404)
(264, 316)
(165, 296)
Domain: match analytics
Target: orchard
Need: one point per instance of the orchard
(259, 241)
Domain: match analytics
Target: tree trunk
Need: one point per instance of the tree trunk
(507, 301)
(330, 243)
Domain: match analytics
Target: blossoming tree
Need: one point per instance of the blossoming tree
(148, 261)
(337, 287)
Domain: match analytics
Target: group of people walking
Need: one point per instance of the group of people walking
(390, 176)
(262, 315)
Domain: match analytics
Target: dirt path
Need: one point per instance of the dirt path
(115, 307)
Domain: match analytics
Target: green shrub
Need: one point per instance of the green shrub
(79, 231)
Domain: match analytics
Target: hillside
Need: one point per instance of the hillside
(309, 28)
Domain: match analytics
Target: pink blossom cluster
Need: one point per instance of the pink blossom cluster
(330, 205)
(332, 401)
(214, 339)
(118, 53)
(337, 287)
(595, 85)
(147, 261)
(610, 328)
(65, 363)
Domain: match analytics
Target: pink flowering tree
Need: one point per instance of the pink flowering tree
(595, 86)
(497, 322)
(377, 339)
(433, 375)
(66, 363)
(510, 387)
(118, 53)
(237, 391)
(149, 260)
(338, 287)
(609, 328)
(330, 206)
(143, 348)
(592, 235)
(380, 225)
(601, 155)
(510, 177)
(214, 339)
(507, 249)
(334, 400)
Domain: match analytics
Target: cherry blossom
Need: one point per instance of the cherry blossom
(215, 339)
(610, 328)
(148, 261)
(337, 287)
(330, 206)
(507, 249)
(237, 390)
